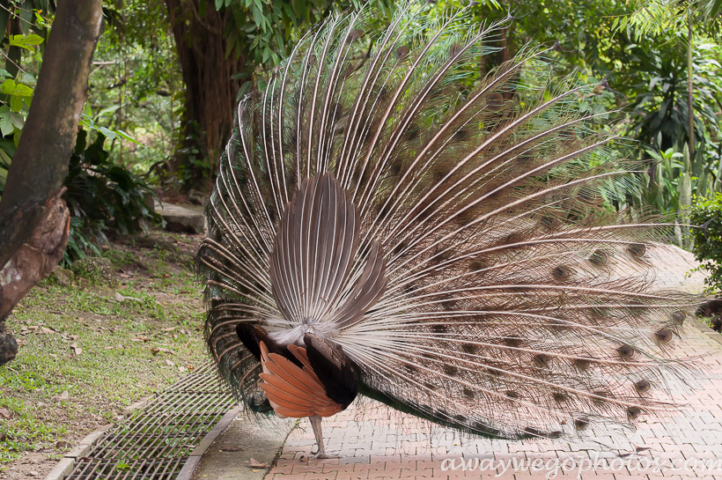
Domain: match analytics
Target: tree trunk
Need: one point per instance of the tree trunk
(210, 93)
(690, 84)
(33, 218)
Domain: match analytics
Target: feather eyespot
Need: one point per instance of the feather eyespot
(601, 396)
(599, 258)
(562, 273)
(626, 351)
(663, 335)
(559, 397)
(541, 360)
(476, 265)
(412, 133)
(402, 52)
(637, 250)
(549, 222)
(678, 317)
(642, 386)
(450, 303)
(495, 102)
(582, 363)
(633, 412)
(354, 35)
(439, 328)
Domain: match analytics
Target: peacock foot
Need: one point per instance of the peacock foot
(325, 455)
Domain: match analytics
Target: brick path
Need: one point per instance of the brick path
(375, 442)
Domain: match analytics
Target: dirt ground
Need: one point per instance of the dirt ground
(91, 345)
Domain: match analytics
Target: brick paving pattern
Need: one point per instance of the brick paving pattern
(375, 442)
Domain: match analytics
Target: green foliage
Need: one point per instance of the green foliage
(670, 182)
(656, 82)
(135, 84)
(706, 213)
(265, 31)
(17, 84)
(102, 195)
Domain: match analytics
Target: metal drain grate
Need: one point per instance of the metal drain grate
(157, 441)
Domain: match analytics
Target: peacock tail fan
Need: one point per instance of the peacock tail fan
(514, 302)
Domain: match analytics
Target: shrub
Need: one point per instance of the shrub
(102, 196)
(706, 214)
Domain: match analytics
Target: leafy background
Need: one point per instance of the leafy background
(145, 132)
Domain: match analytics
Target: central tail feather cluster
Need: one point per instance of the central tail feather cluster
(435, 237)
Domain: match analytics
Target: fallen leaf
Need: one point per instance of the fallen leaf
(122, 298)
(253, 463)
(170, 364)
(109, 348)
(63, 396)
(47, 330)
(53, 355)
(76, 348)
(4, 413)
(169, 329)
(182, 369)
(73, 337)
(33, 327)
(62, 444)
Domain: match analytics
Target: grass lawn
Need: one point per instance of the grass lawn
(91, 349)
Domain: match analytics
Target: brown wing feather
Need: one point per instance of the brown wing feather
(292, 391)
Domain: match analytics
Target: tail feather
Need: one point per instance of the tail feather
(467, 264)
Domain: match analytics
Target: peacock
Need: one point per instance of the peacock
(391, 220)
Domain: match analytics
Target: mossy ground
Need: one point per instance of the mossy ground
(91, 349)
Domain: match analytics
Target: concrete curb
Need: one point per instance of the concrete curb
(194, 459)
(65, 466)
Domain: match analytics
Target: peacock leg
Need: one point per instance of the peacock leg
(316, 425)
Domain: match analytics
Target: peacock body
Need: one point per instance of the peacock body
(388, 221)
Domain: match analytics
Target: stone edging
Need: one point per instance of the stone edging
(66, 465)
(195, 457)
